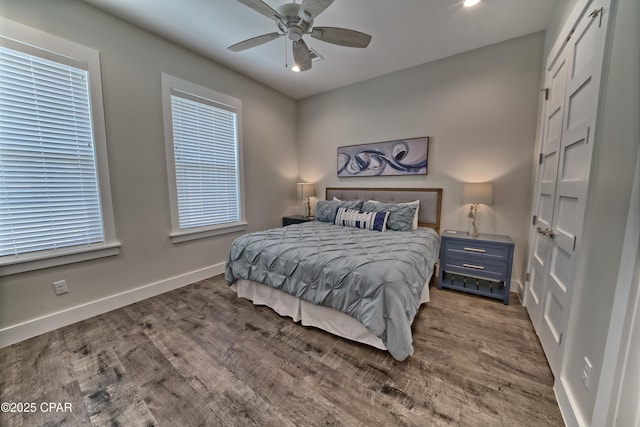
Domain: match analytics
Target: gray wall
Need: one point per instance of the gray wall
(132, 61)
(479, 108)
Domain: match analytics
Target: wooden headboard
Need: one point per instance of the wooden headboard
(430, 200)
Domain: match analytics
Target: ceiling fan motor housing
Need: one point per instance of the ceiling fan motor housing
(292, 24)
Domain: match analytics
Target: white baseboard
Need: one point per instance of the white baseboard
(31, 328)
(572, 417)
(516, 286)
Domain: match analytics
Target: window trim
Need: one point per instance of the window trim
(174, 85)
(21, 37)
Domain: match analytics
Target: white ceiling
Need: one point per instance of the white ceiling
(405, 33)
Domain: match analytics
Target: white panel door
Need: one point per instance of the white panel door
(556, 80)
(561, 210)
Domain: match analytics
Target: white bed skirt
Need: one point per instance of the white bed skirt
(308, 314)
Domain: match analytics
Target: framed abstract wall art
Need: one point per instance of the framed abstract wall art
(400, 157)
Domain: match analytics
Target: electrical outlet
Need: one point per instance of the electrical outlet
(586, 372)
(60, 287)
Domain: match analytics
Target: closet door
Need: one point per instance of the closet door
(561, 211)
(556, 82)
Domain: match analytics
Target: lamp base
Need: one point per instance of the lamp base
(473, 213)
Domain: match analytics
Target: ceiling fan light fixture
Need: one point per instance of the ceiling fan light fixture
(294, 34)
(295, 68)
(470, 3)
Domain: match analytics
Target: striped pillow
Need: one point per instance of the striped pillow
(366, 220)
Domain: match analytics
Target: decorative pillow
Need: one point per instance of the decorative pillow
(400, 216)
(326, 209)
(366, 220)
(415, 217)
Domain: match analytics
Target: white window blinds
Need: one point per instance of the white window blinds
(206, 162)
(49, 197)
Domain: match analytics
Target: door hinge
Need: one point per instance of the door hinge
(546, 93)
(588, 133)
(535, 219)
(540, 158)
(527, 276)
(570, 34)
(597, 12)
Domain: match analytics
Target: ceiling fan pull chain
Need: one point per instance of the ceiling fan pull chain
(286, 53)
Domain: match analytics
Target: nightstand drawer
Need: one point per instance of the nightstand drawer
(476, 249)
(473, 267)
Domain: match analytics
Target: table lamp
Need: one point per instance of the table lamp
(306, 190)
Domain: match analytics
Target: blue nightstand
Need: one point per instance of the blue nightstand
(478, 265)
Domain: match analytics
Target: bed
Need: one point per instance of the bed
(355, 283)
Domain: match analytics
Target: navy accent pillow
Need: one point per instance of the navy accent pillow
(366, 220)
(400, 216)
(326, 209)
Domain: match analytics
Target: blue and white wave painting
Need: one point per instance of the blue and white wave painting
(402, 157)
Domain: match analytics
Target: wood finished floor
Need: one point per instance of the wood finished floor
(201, 356)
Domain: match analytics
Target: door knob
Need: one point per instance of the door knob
(546, 232)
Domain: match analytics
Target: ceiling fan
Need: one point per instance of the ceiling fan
(296, 20)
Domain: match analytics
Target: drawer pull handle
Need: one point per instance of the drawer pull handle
(477, 267)
(475, 250)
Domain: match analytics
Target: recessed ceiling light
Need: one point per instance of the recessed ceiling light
(470, 3)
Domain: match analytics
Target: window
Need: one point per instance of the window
(55, 205)
(203, 158)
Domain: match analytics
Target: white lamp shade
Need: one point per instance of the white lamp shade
(477, 192)
(305, 189)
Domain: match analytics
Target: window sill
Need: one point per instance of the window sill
(53, 259)
(201, 233)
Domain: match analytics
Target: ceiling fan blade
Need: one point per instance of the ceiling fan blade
(263, 8)
(341, 36)
(253, 42)
(301, 55)
(309, 9)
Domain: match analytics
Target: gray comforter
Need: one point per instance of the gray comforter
(374, 277)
